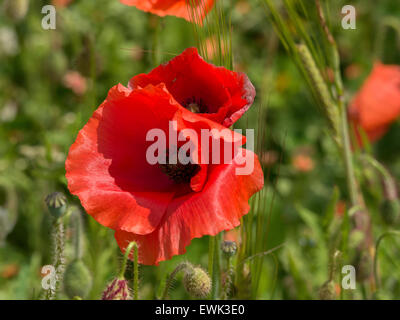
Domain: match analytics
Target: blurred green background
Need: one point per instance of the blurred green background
(52, 80)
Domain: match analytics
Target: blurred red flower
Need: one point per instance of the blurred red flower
(303, 162)
(214, 92)
(76, 82)
(160, 206)
(188, 9)
(61, 3)
(377, 104)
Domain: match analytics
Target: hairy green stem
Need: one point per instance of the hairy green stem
(228, 278)
(58, 257)
(131, 245)
(171, 278)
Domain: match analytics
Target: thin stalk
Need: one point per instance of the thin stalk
(228, 279)
(361, 217)
(211, 249)
(216, 268)
(378, 242)
(77, 235)
(171, 278)
(136, 274)
(132, 245)
(334, 264)
(58, 257)
(154, 32)
(347, 157)
(344, 126)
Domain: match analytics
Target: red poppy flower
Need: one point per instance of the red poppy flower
(377, 104)
(214, 92)
(188, 9)
(61, 3)
(160, 206)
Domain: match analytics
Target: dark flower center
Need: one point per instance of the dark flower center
(179, 172)
(195, 105)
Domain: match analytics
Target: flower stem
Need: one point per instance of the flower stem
(347, 157)
(361, 217)
(77, 240)
(58, 257)
(215, 266)
(171, 277)
(131, 245)
(154, 31)
(378, 242)
(228, 279)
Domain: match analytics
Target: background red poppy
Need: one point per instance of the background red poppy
(377, 104)
(219, 94)
(188, 9)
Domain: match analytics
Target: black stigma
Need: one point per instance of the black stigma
(180, 173)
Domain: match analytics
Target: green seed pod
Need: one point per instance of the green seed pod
(118, 289)
(327, 291)
(229, 248)
(57, 204)
(197, 282)
(390, 211)
(16, 9)
(77, 280)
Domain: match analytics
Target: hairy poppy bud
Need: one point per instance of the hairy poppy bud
(197, 282)
(77, 280)
(229, 248)
(16, 9)
(328, 291)
(118, 289)
(57, 204)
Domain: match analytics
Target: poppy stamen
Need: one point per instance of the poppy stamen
(180, 173)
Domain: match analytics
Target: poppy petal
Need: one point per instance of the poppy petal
(209, 212)
(178, 8)
(377, 104)
(107, 166)
(223, 95)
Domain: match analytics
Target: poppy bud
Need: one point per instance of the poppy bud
(16, 9)
(118, 289)
(327, 291)
(197, 282)
(77, 280)
(229, 248)
(57, 204)
(390, 211)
